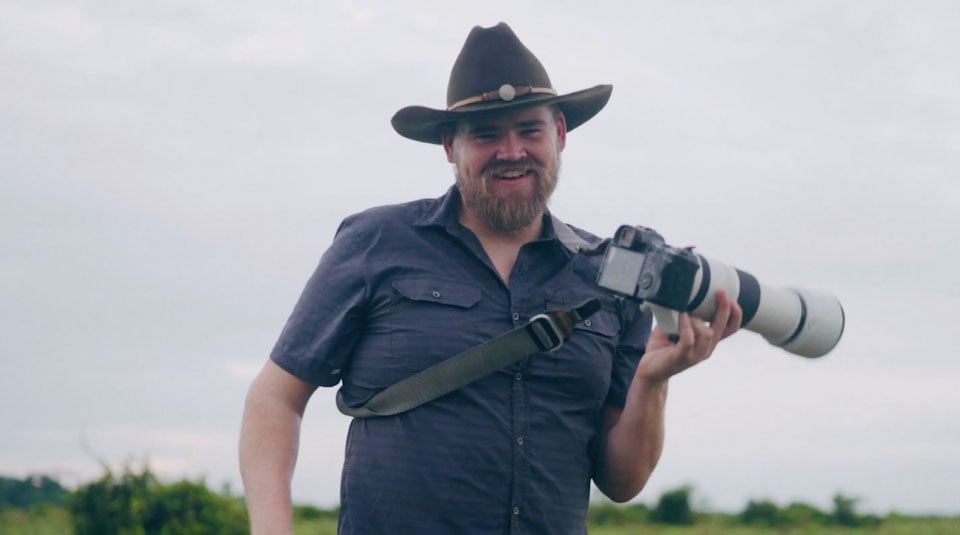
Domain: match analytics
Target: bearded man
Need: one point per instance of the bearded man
(405, 287)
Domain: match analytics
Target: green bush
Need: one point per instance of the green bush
(30, 491)
(762, 513)
(802, 514)
(138, 504)
(674, 508)
(845, 514)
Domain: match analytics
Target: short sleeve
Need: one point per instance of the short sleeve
(635, 329)
(318, 338)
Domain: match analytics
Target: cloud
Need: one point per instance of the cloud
(172, 172)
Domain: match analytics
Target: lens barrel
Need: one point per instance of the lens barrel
(803, 322)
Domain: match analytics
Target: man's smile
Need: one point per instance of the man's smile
(509, 174)
(512, 175)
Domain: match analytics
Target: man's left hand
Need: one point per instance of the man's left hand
(697, 339)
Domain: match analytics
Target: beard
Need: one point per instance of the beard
(516, 211)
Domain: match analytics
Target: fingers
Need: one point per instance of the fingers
(722, 316)
(685, 333)
(699, 337)
(696, 340)
(705, 339)
(728, 316)
(733, 324)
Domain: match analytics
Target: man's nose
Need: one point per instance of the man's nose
(511, 148)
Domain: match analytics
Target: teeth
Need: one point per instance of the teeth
(513, 174)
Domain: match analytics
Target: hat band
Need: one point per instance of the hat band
(506, 93)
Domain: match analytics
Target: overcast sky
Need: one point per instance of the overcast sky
(170, 172)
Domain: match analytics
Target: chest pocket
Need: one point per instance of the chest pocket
(581, 369)
(605, 322)
(430, 320)
(598, 334)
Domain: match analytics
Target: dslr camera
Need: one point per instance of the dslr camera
(668, 280)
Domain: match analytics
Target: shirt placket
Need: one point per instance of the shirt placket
(520, 469)
(521, 310)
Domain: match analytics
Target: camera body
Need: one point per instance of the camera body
(641, 265)
(638, 264)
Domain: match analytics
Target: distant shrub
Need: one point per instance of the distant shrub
(802, 514)
(768, 514)
(763, 513)
(190, 507)
(138, 504)
(673, 508)
(31, 491)
(844, 513)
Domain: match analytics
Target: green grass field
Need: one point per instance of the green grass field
(56, 521)
(944, 526)
(899, 526)
(37, 521)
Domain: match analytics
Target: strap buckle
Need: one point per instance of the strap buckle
(551, 329)
(545, 332)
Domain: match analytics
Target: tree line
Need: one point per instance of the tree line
(674, 508)
(132, 503)
(137, 502)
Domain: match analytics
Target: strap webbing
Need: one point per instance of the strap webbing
(573, 241)
(545, 332)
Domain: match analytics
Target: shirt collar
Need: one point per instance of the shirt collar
(442, 211)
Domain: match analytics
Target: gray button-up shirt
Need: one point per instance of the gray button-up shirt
(403, 287)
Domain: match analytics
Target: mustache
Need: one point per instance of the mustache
(497, 167)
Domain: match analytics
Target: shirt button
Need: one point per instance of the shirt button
(436, 293)
(519, 441)
(519, 377)
(585, 322)
(516, 511)
(516, 316)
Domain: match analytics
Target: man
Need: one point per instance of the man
(404, 287)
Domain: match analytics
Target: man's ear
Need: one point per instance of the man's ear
(561, 131)
(446, 137)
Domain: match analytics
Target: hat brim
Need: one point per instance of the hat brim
(426, 124)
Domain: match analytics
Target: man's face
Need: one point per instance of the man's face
(507, 165)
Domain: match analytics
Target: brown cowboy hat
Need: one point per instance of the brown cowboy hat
(493, 72)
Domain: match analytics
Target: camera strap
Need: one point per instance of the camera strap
(544, 332)
(574, 242)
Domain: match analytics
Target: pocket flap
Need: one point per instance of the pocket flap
(602, 322)
(441, 291)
